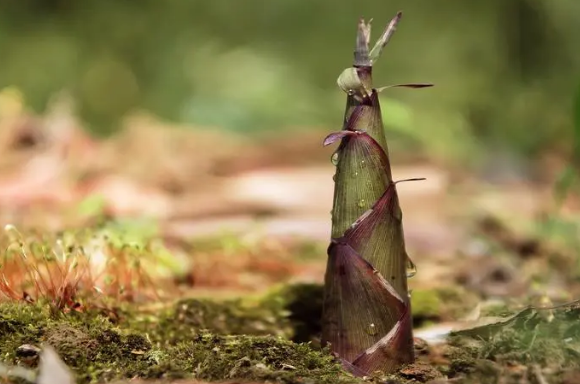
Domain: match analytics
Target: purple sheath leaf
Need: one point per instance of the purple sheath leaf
(360, 305)
(366, 116)
(393, 350)
(333, 137)
(347, 366)
(378, 237)
(362, 174)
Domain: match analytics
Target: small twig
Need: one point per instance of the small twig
(538, 373)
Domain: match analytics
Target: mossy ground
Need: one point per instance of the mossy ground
(178, 345)
(529, 347)
(274, 337)
(251, 340)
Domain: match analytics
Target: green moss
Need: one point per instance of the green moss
(303, 304)
(426, 305)
(532, 338)
(292, 312)
(442, 303)
(97, 350)
(214, 357)
(233, 317)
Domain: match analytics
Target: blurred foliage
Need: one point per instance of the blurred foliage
(504, 70)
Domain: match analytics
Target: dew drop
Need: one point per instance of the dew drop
(372, 329)
(354, 174)
(361, 203)
(411, 268)
(334, 158)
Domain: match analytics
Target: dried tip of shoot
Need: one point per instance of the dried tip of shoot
(361, 52)
(364, 32)
(362, 57)
(385, 37)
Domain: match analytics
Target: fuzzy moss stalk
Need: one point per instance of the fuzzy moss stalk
(366, 316)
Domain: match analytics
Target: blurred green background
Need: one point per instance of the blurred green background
(505, 70)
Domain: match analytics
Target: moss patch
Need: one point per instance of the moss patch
(96, 350)
(544, 340)
(441, 304)
(186, 318)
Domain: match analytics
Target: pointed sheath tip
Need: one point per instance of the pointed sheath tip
(395, 20)
(419, 85)
(391, 351)
(349, 367)
(405, 85)
(411, 179)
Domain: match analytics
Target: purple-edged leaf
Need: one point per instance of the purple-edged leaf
(335, 136)
(361, 177)
(374, 125)
(362, 115)
(360, 305)
(377, 235)
(391, 351)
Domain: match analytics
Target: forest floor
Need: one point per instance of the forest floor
(176, 254)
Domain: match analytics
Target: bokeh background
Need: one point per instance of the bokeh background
(505, 71)
(208, 116)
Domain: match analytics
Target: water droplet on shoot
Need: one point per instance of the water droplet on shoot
(372, 329)
(361, 203)
(411, 268)
(354, 174)
(334, 158)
